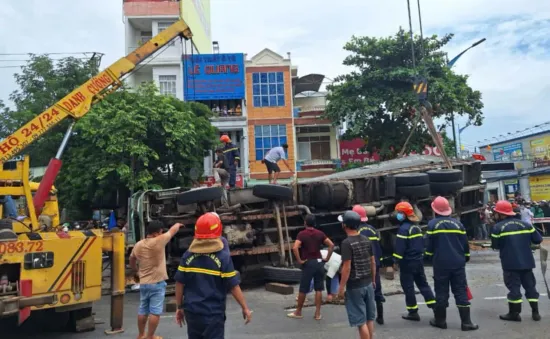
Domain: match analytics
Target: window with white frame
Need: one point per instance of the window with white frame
(144, 37)
(167, 85)
(313, 143)
(162, 25)
(268, 89)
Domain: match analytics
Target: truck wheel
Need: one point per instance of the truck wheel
(411, 179)
(421, 191)
(282, 274)
(272, 192)
(199, 195)
(6, 224)
(445, 175)
(445, 188)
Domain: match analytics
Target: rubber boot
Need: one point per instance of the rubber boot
(467, 324)
(440, 318)
(380, 313)
(535, 309)
(513, 313)
(412, 315)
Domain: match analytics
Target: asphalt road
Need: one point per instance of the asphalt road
(270, 321)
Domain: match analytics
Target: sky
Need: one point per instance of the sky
(510, 69)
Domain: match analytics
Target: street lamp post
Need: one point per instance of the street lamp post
(450, 64)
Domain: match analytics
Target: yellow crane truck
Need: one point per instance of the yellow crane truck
(45, 272)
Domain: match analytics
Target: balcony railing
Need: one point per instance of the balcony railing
(307, 109)
(318, 165)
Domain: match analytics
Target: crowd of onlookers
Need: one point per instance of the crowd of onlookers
(525, 210)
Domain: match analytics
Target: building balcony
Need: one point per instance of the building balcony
(315, 168)
(135, 8)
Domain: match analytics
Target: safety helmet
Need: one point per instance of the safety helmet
(504, 207)
(208, 226)
(441, 206)
(405, 208)
(351, 219)
(225, 138)
(361, 211)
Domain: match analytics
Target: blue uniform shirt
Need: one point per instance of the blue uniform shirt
(231, 152)
(513, 238)
(409, 245)
(206, 278)
(370, 232)
(447, 243)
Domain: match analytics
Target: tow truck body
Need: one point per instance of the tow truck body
(44, 271)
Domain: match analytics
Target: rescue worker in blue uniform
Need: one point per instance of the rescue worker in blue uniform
(447, 245)
(513, 238)
(204, 277)
(409, 254)
(231, 152)
(370, 232)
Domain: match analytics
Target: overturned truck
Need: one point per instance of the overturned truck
(262, 222)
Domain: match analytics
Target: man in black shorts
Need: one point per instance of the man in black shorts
(272, 158)
(307, 250)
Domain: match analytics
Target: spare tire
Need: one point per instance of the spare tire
(200, 195)
(445, 175)
(421, 191)
(446, 188)
(411, 179)
(272, 192)
(282, 274)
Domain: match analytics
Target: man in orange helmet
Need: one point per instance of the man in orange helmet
(232, 154)
(204, 277)
(409, 253)
(370, 232)
(513, 238)
(448, 247)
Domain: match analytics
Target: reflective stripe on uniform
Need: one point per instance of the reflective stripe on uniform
(462, 305)
(430, 302)
(428, 253)
(415, 307)
(513, 233)
(446, 231)
(207, 271)
(533, 300)
(519, 301)
(409, 237)
(397, 256)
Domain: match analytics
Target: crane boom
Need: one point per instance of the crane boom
(77, 103)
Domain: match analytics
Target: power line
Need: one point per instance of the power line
(52, 53)
(25, 60)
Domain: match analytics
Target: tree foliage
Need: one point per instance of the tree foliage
(131, 140)
(376, 98)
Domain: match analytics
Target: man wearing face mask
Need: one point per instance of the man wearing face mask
(513, 238)
(409, 254)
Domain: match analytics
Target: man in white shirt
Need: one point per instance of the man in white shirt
(270, 160)
(526, 214)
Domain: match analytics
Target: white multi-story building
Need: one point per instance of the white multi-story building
(144, 19)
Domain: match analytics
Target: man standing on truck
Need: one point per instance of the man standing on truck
(409, 254)
(204, 277)
(370, 232)
(307, 250)
(447, 244)
(272, 158)
(221, 173)
(231, 152)
(149, 254)
(513, 238)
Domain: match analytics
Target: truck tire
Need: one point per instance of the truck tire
(282, 274)
(7, 235)
(6, 224)
(272, 192)
(421, 191)
(200, 195)
(411, 179)
(446, 188)
(445, 175)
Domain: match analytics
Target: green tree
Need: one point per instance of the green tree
(134, 140)
(42, 82)
(376, 98)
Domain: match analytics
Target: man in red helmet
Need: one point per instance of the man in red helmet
(447, 245)
(513, 238)
(409, 254)
(370, 232)
(204, 277)
(233, 156)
